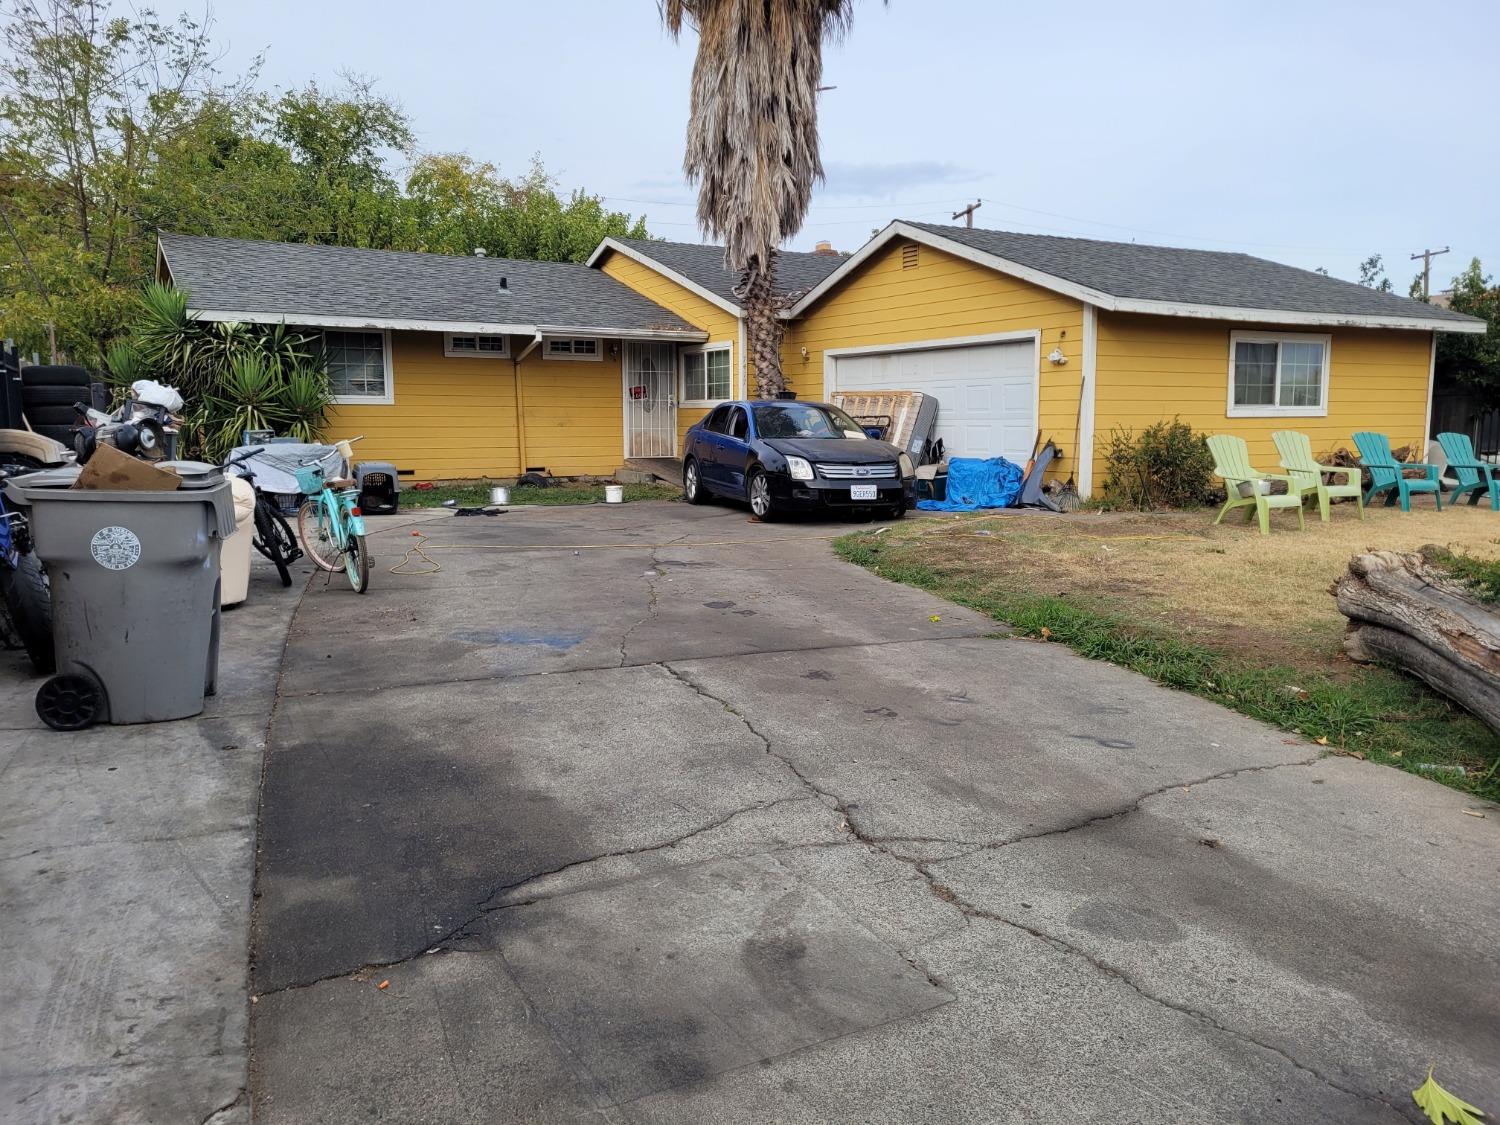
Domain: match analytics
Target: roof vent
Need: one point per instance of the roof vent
(909, 256)
(505, 287)
(481, 252)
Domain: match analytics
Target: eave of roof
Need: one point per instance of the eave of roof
(1113, 303)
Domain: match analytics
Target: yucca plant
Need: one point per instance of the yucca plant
(233, 377)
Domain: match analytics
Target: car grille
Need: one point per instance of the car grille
(857, 472)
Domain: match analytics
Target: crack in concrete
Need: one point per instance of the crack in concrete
(487, 905)
(970, 910)
(655, 575)
(233, 1104)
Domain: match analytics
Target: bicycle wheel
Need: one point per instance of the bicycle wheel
(274, 539)
(357, 564)
(318, 535)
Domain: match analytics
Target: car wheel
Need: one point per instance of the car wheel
(692, 485)
(898, 510)
(759, 490)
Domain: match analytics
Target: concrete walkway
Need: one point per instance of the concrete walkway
(126, 858)
(654, 814)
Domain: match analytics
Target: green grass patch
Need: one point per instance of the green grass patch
(477, 494)
(1374, 712)
(1482, 576)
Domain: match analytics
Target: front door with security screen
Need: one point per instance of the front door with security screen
(650, 400)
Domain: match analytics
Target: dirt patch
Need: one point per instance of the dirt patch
(1224, 585)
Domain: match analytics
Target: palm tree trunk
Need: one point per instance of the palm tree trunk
(763, 327)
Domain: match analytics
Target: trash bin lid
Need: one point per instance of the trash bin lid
(48, 478)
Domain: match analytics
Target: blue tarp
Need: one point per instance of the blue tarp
(975, 483)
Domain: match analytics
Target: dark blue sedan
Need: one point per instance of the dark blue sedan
(794, 456)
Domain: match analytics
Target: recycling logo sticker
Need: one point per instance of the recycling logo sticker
(115, 548)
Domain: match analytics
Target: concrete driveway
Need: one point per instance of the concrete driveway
(654, 814)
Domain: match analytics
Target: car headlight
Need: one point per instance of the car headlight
(907, 468)
(800, 468)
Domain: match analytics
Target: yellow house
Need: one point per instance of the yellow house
(457, 367)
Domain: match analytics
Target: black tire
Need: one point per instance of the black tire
(33, 397)
(898, 511)
(758, 489)
(274, 539)
(28, 604)
(692, 484)
(56, 375)
(357, 564)
(52, 416)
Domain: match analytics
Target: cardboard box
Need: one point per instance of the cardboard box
(112, 471)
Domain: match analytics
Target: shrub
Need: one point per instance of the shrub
(1166, 465)
(232, 377)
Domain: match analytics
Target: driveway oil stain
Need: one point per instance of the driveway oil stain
(718, 605)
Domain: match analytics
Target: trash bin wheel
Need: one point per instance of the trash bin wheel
(70, 701)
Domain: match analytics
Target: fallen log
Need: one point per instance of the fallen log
(1405, 611)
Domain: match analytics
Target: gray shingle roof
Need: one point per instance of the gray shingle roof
(289, 280)
(1197, 277)
(796, 270)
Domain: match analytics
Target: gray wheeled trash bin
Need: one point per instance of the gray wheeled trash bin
(135, 596)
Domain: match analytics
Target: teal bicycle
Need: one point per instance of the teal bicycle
(330, 523)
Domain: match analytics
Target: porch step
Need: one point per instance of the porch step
(645, 470)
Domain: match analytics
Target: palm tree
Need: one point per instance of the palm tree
(752, 140)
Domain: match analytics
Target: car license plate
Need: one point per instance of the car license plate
(862, 492)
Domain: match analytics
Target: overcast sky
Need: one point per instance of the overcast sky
(1312, 132)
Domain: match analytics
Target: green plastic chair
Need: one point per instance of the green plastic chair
(1232, 463)
(1474, 476)
(1297, 459)
(1386, 473)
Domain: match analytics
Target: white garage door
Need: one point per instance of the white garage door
(986, 392)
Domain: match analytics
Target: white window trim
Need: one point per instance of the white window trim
(1320, 411)
(387, 399)
(682, 354)
(597, 357)
(453, 353)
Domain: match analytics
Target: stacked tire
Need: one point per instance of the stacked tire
(48, 392)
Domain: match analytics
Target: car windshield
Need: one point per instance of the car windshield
(804, 420)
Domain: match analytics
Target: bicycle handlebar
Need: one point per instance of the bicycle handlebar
(240, 458)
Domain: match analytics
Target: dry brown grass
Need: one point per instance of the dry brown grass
(1228, 585)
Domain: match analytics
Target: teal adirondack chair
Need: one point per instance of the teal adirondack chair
(1386, 473)
(1474, 476)
(1297, 459)
(1232, 463)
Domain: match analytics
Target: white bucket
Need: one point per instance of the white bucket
(499, 495)
(614, 494)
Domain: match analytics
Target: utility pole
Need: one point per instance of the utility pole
(1427, 256)
(968, 212)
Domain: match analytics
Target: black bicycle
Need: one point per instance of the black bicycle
(273, 534)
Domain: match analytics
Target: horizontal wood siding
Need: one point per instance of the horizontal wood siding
(574, 415)
(1153, 367)
(722, 327)
(943, 296)
(455, 418)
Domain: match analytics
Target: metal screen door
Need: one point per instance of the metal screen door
(650, 400)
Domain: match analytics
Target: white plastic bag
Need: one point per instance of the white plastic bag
(146, 390)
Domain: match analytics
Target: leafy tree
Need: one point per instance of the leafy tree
(752, 140)
(456, 204)
(88, 100)
(113, 127)
(1473, 360)
(1372, 274)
